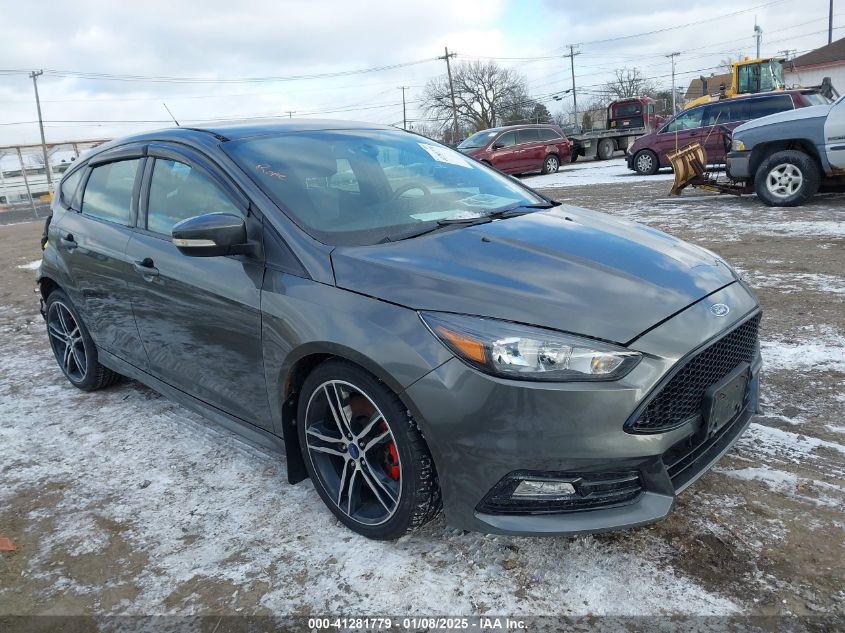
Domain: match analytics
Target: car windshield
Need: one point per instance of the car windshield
(368, 186)
(479, 139)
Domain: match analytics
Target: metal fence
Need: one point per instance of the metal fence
(27, 182)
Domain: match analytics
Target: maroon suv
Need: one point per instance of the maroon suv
(518, 149)
(701, 124)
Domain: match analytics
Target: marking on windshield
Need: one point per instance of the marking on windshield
(443, 155)
(265, 169)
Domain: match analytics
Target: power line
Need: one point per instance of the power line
(680, 26)
(222, 80)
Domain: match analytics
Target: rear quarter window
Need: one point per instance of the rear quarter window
(769, 105)
(67, 189)
(549, 135)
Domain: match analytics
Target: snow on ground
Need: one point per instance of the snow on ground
(797, 282)
(804, 355)
(141, 476)
(593, 173)
(33, 265)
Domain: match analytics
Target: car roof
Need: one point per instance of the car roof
(237, 130)
(757, 95)
(505, 128)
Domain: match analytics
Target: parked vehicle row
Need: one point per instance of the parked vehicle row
(704, 124)
(417, 328)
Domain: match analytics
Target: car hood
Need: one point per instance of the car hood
(567, 268)
(642, 141)
(800, 114)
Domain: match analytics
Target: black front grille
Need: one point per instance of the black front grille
(593, 490)
(680, 399)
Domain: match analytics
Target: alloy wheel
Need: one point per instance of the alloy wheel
(644, 163)
(784, 181)
(551, 164)
(66, 341)
(353, 452)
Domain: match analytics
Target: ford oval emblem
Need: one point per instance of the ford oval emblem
(719, 309)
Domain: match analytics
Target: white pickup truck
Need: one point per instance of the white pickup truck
(787, 156)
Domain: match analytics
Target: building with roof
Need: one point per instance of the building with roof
(811, 68)
(697, 87)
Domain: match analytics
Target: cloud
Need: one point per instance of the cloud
(252, 38)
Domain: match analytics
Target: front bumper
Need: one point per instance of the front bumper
(483, 429)
(737, 165)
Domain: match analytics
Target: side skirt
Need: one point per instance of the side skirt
(243, 428)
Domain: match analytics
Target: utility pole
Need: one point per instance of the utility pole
(404, 114)
(26, 182)
(446, 56)
(571, 56)
(34, 76)
(290, 113)
(758, 33)
(672, 56)
(830, 24)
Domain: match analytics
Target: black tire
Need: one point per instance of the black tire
(605, 149)
(646, 163)
(404, 457)
(573, 156)
(74, 347)
(550, 164)
(787, 179)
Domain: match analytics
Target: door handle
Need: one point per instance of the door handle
(68, 242)
(147, 268)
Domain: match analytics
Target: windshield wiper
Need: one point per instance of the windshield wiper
(501, 214)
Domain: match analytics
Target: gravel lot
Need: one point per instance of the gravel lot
(122, 502)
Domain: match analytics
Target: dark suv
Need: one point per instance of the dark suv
(418, 327)
(518, 149)
(703, 124)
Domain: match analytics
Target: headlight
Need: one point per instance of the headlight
(737, 145)
(528, 353)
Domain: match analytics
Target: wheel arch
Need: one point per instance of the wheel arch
(47, 285)
(298, 365)
(763, 150)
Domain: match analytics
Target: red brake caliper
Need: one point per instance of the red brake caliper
(391, 458)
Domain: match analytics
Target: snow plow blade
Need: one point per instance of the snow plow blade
(689, 164)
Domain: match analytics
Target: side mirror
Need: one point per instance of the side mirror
(496, 146)
(211, 235)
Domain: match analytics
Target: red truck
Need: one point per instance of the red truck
(627, 119)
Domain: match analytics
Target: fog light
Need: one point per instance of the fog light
(535, 488)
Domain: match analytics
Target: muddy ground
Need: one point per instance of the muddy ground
(121, 502)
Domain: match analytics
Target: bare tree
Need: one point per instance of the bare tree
(486, 95)
(727, 63)
(629, 82)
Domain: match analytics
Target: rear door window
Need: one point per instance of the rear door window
(108, 194)
(769, 105)
(530, 135)
(178, 192)
(726, 112)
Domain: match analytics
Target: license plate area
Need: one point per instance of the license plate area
(724, 400)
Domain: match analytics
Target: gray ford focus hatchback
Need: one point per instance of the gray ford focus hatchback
(412, 328)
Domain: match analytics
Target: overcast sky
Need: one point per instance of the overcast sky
(270, 41)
